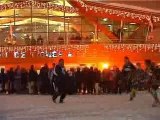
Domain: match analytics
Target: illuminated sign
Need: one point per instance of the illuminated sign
(23, 54)
(19, 54)
(3, 54)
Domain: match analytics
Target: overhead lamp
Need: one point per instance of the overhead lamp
(105, 66)
(125, 28)
(132, 23)
(105, 19)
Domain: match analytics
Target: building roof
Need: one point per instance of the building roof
(146, 4)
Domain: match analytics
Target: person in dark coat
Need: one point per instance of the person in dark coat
(33, 41)
(17, 79)
(10, 75)
(78, 77)
(44, 80)
(91, 80)
(127, 70)
(71, 81)
(39, 40)
(32, 80)
(3, 79)
(85, 78)
(24, 80)
(153, 81)
(97, 80)
(60, 81)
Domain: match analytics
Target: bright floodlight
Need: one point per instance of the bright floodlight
(106, 66)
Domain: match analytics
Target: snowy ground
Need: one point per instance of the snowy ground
(78, 107)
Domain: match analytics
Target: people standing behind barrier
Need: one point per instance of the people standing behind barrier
(91, 80)
(17, 81)
(78, 77)
(127, 70)
(60, 81)
(97, 81)
(11, 80)
(119, 82)
(33, 40)
(39, 40)
(3, 80)
(44, 80)
(71, 81)
(32, 80)
(85, 78)
(105, 79)
(114, 78)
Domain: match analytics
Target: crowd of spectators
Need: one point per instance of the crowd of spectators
(80, 80)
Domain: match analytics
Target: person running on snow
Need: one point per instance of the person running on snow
(151, 73)
(59, 82)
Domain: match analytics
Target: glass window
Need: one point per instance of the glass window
(132, 27)
(73, 20)
(22, 21)
(7, 21)
(23, 28)
(88, 28)
(56, 28)
(23, 12)
(56, 13)
(5, 32)
(56, 24)
(71, 14)
(40, 20)
(43, 35)
(57, 38)
(39, 12)
(72, 28)
(7, 12)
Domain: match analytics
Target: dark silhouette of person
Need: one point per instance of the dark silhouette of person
(27, 40)
(39, 40)
(60, 81)
(127, 70)
(33, 41)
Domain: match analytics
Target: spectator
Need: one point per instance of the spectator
(97, 81)
(4, 81)
(11, 80)
(78, 77)
(17, 81)
(32, 80)
(39, 40)
(44, 80)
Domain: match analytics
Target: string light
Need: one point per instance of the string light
(77, 48)
(67, 9)
(29, 3)
(124, 14)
